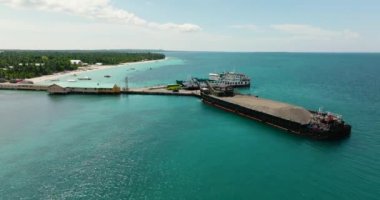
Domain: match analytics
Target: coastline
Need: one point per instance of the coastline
(86, 69)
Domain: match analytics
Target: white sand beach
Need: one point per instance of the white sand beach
(84, 69)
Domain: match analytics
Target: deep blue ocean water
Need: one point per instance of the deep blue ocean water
(160, 147)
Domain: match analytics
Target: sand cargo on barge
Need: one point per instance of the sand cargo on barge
(293, 119)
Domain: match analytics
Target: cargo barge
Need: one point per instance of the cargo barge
(292, 119)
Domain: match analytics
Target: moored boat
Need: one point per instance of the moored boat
(293, 119)
(230, 79)
(191, 84)
(85, 78)
(223, 79)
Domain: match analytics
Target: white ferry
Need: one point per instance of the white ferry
(230, 79)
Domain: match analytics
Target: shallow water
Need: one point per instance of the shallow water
(157, 147)
(118, 75)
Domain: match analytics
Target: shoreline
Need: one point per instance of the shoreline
(86, 69)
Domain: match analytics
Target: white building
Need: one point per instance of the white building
(75, 62)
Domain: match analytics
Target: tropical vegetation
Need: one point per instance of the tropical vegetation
(22, 64)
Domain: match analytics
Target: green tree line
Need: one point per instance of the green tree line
(21, 64)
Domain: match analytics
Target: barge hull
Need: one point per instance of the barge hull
(283, 124)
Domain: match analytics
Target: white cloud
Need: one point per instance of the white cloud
(301, 31)
(97, 9)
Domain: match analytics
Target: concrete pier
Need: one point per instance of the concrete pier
(161, 91)
(17, 86)
(111, 90)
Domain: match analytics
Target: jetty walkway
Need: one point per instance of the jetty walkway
(14, 86)
(161, 91)
(110, 90)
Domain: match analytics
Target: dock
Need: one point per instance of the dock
(31, 87)
(111, 89)
(161, 91)
(291, 118)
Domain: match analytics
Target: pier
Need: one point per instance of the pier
(32, 87)
(161, 91)
(110, 89)
(293, 119)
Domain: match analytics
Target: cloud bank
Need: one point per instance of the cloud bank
(98, 10)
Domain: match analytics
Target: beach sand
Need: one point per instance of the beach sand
(84, 69)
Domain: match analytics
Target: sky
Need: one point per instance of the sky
(196, 25)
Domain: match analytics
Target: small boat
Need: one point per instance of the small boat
(107, 76)
(191, 84)
(26, 82)
(71, 80)
(85, 78)
(54, 80)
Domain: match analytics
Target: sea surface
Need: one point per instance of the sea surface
(164, 147)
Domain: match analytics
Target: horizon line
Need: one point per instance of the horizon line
(205, 51)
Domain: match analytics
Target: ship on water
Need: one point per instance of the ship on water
(232, 79)
(293, 119)
(191, 83)
(85, 78)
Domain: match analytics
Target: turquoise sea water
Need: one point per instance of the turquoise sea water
(159, 147)
(118, 75)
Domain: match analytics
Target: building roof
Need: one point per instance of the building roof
(278, 109)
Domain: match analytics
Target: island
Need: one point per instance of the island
(16, 65)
